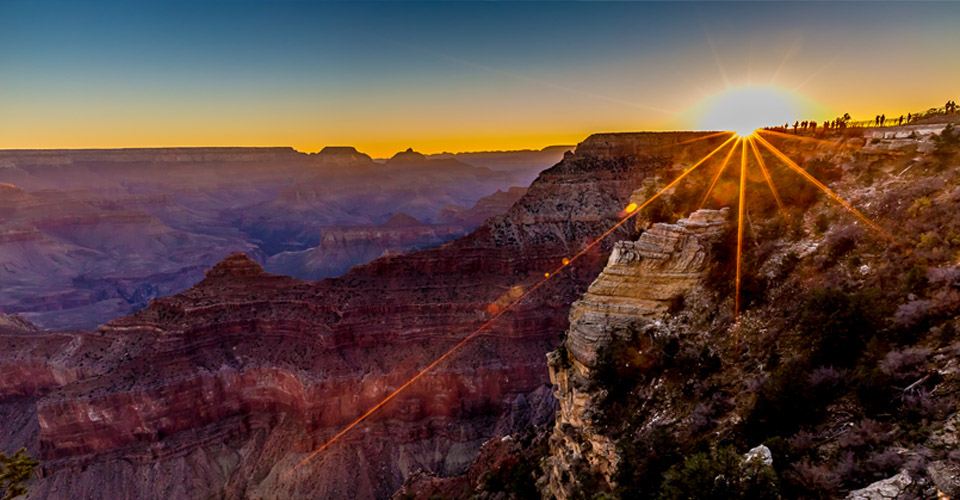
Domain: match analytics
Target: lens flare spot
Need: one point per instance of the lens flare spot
(546, 275)
(566, 261)
(631, 208)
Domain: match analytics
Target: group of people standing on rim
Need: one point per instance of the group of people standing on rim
(810, 125)
(881, 120)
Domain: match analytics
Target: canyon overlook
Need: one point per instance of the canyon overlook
(245, 373)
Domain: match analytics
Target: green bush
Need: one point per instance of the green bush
(514, 477)
(833, 329)
(834, 325)
(15, 470)
(643, 462)
(786, 402)
(721, 474)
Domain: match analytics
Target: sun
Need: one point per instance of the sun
(745, 109)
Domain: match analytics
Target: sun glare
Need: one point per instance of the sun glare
(746, 109)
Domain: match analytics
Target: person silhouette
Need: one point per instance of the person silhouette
(909, 117)
(878, 120)
(900, 121)
(883, 120)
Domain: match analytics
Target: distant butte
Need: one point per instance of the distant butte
(408, 156)
(401, 220)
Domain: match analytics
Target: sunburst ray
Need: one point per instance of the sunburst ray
(813, 180)
(806, 139)
(742, 204)
(716, 176)
(766, 174)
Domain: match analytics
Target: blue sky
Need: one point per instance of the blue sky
(435, 75)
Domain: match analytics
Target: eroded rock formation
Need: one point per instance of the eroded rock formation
(633, 293)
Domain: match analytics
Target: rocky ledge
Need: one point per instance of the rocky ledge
(622, 307)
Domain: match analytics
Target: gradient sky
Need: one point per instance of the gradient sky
(445, 76)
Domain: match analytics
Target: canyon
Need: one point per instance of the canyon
(90, 235)
(839, 371)
(240, 377)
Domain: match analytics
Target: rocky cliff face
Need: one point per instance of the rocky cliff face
(235, 380)
(620, 311)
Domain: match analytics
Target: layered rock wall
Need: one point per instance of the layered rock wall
(635, 290)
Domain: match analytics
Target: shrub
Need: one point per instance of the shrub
(14, 470)
(515, 476)
(643, 462)
(835, 325)
(813, 479)
(721, 474)
(786, 402)
(841, 241)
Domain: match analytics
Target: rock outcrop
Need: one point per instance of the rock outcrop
(945, 476)
(630, 297)
(893, 488)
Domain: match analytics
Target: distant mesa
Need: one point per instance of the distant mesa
(341, 155)
(236, 265)
(401, 220)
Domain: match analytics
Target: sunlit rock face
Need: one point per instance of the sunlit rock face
(221, 390)
(635, 290)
